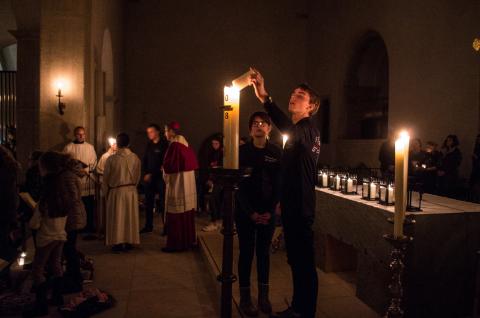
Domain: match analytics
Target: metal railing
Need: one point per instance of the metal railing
(8, 99)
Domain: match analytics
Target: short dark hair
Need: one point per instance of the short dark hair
(314, 96)
(123, 140)
(455, 141)
(155, 126)
(263, 115)
(78, 128)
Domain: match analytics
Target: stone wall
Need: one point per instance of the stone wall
(433, 70)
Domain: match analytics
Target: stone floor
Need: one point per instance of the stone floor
(149, 283)
(336, 297)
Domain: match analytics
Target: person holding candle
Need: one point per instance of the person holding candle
(60, 208)
(121, 176)
(299, 172)
(152, 174)
(257, 199)
(433, 159)
(179, 168)
(84, 152)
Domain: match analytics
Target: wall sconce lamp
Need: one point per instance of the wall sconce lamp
(476, 44)
(61, 106)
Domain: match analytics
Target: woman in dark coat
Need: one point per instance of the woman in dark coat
(8, 200)
(448, 173)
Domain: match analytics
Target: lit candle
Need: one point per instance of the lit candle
(112, 141)
(285, 139)
(383, 194)
(349, 185)
(337, 182)
(373, 191)
(391, 195)
(231, 112)
(324, 180)
(365, 190)
(401, 179)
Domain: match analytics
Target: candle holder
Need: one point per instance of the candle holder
(323, 178)
(370, 189)
(229, 179)
(336, 183)
(397, 269)
(414, 186)
(387, 194)
(331, 180)
(349, 184)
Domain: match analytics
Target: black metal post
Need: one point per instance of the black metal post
(228, 179)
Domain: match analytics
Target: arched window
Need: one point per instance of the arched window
(366, 90)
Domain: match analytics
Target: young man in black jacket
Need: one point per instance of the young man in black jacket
(297, 197)
(152, 174)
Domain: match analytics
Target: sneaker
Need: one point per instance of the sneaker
(210, 228)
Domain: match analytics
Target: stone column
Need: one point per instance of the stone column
(28, 92)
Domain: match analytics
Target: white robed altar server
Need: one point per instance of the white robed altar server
(82, 151)
(120, 179)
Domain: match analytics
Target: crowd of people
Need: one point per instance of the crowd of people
(76, 193)
(436, 168)
(71, 194)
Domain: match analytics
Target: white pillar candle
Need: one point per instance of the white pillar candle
(231, 113)
(365, 190)
(401, 179)
(337, 183)
(373, 191)
(349, 185)
(391, 195)
(383, 194)
(324, 180)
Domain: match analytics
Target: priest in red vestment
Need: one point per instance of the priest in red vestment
(179, 168)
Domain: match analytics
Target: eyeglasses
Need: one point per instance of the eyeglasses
(259, 123)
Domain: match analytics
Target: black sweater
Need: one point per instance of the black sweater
(299, 164)
(153, 157)
(260, 192)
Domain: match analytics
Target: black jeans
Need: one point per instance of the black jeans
(71, 257)
(156, 185)
(89, 203)
(253, 238)
(299, 243)
(216, 202)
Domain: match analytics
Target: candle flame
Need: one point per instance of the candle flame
(285, 139)
(112, 141)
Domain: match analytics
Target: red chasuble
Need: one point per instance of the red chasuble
(179, 158)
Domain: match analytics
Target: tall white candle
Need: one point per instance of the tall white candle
(231, 113)
(401, 179)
